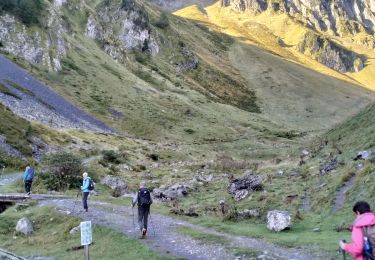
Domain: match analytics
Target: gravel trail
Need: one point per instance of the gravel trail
(164, 238)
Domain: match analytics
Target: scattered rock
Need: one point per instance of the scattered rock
(280, 173)
(328, 167)
(24, 226)
(321, 186)
(75, 230)
(305, 152)
(115, 183)
(363, 155)
(189, 213)
(316, 230)
(278, 220)
(241, 187)
(41, 258)
(241, 194)
(249, 213)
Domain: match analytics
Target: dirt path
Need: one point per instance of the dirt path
(164, 238)
(340, 195)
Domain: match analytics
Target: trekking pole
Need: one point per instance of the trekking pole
(134, 230)
(75, 201)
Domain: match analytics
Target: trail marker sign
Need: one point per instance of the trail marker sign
(86, 233)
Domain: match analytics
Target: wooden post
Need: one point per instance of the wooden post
(87, 253)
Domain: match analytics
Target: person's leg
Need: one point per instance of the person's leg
(27, 186)
(145, 216)
(30, 184)
(84, 200)
(140, 217)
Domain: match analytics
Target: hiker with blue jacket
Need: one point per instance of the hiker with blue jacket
(144, 200)
(28, 177)
(85, 188)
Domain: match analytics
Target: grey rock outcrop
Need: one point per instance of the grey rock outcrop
(339, 17)
(25, 226)
(241, 187)
(170, 193)
(330, 54)
(5, 255)
(278, 220)
(115, 183)
(120, 28)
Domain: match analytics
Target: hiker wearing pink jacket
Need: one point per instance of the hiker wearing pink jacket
(364, 218)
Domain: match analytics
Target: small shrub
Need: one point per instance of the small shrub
(28, 11)
(154, 157)
(163, 21)
(62, 171)
(141, 57)
(111, 156)
(116, 192)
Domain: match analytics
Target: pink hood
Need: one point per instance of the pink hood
(366, 219)
(355, 248)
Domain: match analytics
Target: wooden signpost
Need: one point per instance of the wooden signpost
(86, 238)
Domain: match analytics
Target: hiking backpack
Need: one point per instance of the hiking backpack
(91, 184)
(144, 197)
(369, 242)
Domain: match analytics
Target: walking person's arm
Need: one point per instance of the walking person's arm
(135, 200)
(356, 247)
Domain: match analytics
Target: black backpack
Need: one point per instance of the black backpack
(144, 197)
(91, 184)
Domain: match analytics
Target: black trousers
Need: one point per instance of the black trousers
(143, 212)
(84, 199)
(28, 185)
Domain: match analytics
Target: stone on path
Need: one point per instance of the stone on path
(25, 226)
(278, 220)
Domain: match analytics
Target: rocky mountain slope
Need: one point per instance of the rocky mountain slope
(336, 17)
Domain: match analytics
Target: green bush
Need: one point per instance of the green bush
(28, 11)
(163, 21)
(111, 156)
(63, 171)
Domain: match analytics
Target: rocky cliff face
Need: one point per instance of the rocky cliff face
(330, 54)
(120, 28)
(35, 45)
(339, 17)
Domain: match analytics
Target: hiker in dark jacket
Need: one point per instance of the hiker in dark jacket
(85, 190)
(28, 177)
(144, 200)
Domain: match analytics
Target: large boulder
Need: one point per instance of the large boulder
(170, 193)
(278, 220)
(241, 187)
(25, 226)
(115, 183)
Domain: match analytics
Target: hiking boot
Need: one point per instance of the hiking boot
(144, 232)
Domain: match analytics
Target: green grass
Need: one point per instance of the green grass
(202, 236)
(16, 130)
(52, 238)
(6, 91)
